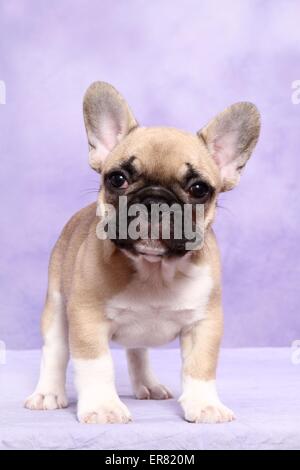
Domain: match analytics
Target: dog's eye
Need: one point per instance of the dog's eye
(200, 190)
(118, 180)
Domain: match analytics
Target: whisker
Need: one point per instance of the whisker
(219, 206)
(89, 191)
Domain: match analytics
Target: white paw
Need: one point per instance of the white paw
(154, 391)
(206, 412)
(47, 401)
(201, 404)
(105, 413)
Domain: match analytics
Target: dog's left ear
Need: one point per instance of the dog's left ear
(108, 119)
(231, 138)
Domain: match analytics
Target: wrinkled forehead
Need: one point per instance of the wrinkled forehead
(164, 154)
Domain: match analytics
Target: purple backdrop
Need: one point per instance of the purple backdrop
(178, 64)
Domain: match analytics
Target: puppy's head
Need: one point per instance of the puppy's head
(164, 167)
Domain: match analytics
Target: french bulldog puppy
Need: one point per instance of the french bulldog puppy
(141, 293)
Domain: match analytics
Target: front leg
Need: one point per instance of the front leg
(50, 391)
(200, 348)
(98, 401)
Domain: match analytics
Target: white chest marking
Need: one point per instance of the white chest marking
(157, 304)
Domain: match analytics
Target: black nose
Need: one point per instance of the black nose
(155, 195)
(150, 200)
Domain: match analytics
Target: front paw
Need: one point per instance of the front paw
(46, 401)
(112, 411)
(206, 412)
(201, 404)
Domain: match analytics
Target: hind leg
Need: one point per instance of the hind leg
(50, 391)
(145, 385)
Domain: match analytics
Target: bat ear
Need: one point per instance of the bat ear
(230, 138)
(108, 120)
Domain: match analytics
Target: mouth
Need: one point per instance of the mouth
(150, 248)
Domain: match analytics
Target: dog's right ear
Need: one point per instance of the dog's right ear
(108, 120)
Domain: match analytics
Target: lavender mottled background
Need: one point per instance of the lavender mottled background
(178, 64)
